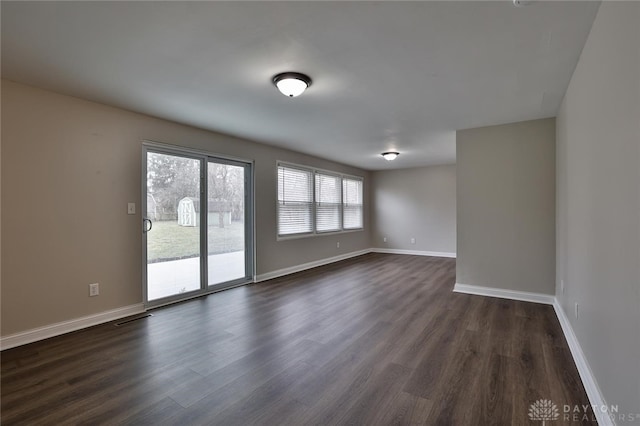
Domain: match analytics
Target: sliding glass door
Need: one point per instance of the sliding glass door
(227, 260)
(195, 244)
(172, 225)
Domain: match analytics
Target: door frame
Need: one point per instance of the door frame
(249, 220)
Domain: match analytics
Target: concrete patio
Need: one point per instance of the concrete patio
(180, 276)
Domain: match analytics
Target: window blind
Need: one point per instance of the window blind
(351, 203)
(312, 201)
(295, 201)
(328, 195)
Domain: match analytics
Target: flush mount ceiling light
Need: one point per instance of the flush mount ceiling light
(292, 84)
(390, 155)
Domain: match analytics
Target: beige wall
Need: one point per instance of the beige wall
(506, 206)
(69, 167)
(598, 203)
(415, 203)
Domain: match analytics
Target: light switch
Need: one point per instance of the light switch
(131, 208)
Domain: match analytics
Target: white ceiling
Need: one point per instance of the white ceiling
(386, 75)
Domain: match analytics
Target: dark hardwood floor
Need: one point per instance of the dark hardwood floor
(378, 339)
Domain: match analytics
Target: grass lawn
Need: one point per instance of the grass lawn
(168, 240)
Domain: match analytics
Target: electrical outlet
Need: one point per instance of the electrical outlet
(384, 239)
(338, 245)
(94, 289)
(576, 310)
(131, 208)
(413, 240)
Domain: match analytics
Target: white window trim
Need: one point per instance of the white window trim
(315, 233)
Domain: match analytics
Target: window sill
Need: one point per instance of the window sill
(316, 234)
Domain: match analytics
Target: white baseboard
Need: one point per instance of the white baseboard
(40, 333)
(298, 268)
(588, 380)
(591, 386)
(524, 296)
(414, 252)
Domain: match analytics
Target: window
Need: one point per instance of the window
(295, 201)
(351, 203)
(327, 202)
(316, 201)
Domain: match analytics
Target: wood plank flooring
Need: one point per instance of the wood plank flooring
(378, 339)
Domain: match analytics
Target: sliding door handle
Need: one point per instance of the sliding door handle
(144, 225)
